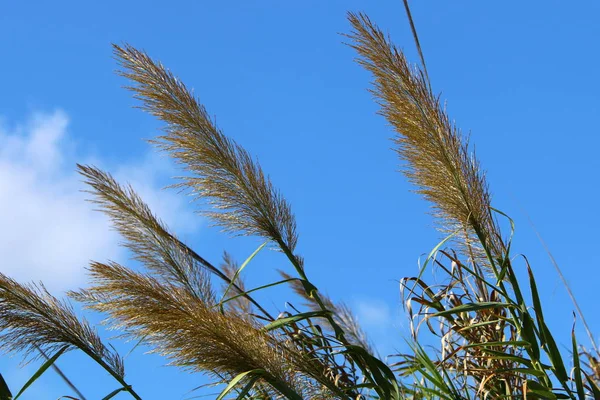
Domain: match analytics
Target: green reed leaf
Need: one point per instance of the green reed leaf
(115, 392)
(239, 271)
(5, 393)
(41, 370)
(295, 318)
(254, 374)
(577, 367)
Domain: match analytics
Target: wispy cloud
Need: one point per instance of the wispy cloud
(374, 314)
(49, 232)
(383, 324)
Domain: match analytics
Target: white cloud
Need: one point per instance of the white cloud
(48, 231)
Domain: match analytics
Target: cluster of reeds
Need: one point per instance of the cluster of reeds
(488, 341)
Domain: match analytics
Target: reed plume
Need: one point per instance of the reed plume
(223, 171)
(437, 155)
(148, 238)
(195, 335)
(32, 319)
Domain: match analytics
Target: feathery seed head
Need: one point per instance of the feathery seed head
(193, 334)
(145, 235)
(437, 155)
(32, 319)
(222, 170)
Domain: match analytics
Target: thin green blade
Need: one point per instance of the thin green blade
(5, 393)
(42, 369)
(233, 383)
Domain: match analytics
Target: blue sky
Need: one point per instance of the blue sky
(521, 76)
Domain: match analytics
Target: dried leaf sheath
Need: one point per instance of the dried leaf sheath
(438, 158)
(223, 171)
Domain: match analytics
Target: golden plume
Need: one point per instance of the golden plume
(31, 319)
(224, 172)
(196, 335)
(438, 158)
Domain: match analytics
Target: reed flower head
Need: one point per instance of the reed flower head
(223, 171)
(31, 319)
(149, 240)
(438, 159)
(195, 334)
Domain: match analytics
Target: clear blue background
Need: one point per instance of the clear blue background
(522, 76)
